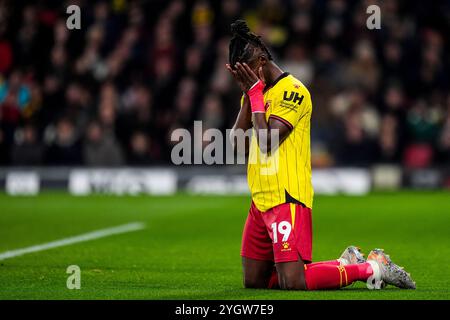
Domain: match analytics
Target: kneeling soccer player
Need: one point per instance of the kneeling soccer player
(277, 237)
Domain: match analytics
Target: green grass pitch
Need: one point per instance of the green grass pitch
(190, 247)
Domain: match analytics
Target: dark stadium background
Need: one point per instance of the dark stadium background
(92, 110)
(111, 93)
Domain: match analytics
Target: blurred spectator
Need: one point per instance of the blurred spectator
(212, 112)
(423, 123)
(28, 151)
(299, 65)
(363, 69)
(355, 102)
(184, 101)
(140, 150)
(16, 90)
(390, 151)
(77, 106)
(65, 149)
(356, 148)
(100, 150)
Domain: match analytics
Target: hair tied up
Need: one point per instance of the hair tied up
(240, 28)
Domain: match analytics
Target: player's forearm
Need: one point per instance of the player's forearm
(265, 135)
(262, 128)
(244, 117)
(242, 124)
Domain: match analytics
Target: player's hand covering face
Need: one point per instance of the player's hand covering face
(244, 75)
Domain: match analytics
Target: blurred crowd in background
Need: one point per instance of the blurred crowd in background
(111, 93)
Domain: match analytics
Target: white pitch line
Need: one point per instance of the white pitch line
(129, 227)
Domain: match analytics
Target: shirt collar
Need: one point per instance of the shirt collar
(271, 84)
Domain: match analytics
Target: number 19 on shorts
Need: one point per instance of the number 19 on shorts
(284, 228)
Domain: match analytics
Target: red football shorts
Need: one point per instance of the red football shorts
(281, 234)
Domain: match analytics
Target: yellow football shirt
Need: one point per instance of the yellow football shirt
(284, 175)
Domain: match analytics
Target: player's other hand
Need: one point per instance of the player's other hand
(236, 77)
(244, 76)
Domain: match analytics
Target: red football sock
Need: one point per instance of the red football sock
(329, 275)
(325, 276)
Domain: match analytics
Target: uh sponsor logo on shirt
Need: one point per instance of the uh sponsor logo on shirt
(291, 100)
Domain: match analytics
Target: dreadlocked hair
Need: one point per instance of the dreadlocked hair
(244, 43)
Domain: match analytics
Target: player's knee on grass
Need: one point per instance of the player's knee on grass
(256, 273)
(289, 282)
(291, 276)
(254, 283)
